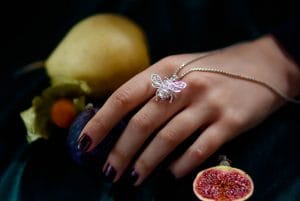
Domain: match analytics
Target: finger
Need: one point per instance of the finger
(117, 106)
(173, 134)
(152, 116)
(130, 95)
(207, 143)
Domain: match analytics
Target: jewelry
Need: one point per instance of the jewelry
(167, 88)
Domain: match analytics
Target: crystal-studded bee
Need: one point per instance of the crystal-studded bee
(166, 88)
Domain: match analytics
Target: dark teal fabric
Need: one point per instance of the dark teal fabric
(43, 171)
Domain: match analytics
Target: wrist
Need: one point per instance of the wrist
(282, 69)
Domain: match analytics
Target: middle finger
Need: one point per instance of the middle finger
(153, 115)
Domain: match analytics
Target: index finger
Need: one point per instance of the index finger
(129, 96)
(126, 98)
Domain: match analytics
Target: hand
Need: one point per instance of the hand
(218, 107)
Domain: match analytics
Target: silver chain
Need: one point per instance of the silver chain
(192, 61)
(175, 76)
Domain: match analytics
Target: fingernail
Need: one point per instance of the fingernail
(84, 143)
(133, 177)
(110, 172)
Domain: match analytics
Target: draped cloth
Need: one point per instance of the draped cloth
(44, 171)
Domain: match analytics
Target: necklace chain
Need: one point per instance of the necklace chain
(176, 76)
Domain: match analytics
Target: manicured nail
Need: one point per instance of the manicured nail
(110, 172)
(84, 143)
(133, 177)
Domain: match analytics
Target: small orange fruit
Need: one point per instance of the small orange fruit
(63, 113)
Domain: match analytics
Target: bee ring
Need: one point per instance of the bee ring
(166, 88)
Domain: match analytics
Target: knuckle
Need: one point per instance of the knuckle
(234, 119)
(141, 121)
(197, 153)
(200, 81)
(201, 152)
(168, 137)
(121, 98)
(99, 123)
(143, 165)
(119, 154)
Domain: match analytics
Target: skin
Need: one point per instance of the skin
(219, 108)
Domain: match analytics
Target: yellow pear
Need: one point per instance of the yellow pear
(104, 50)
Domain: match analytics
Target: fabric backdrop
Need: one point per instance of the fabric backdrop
(43, 171)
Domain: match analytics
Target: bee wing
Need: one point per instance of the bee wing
(176, 86)
(156, 81)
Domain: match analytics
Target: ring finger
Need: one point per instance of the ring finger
(173, 134)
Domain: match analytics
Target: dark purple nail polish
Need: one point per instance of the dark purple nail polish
(84, 143)
(133, 177)
(110, 172)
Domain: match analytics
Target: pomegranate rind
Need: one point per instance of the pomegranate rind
(225, 169)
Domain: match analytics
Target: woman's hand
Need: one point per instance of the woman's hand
(216, 106)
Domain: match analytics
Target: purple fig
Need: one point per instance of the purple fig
(96, 157)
